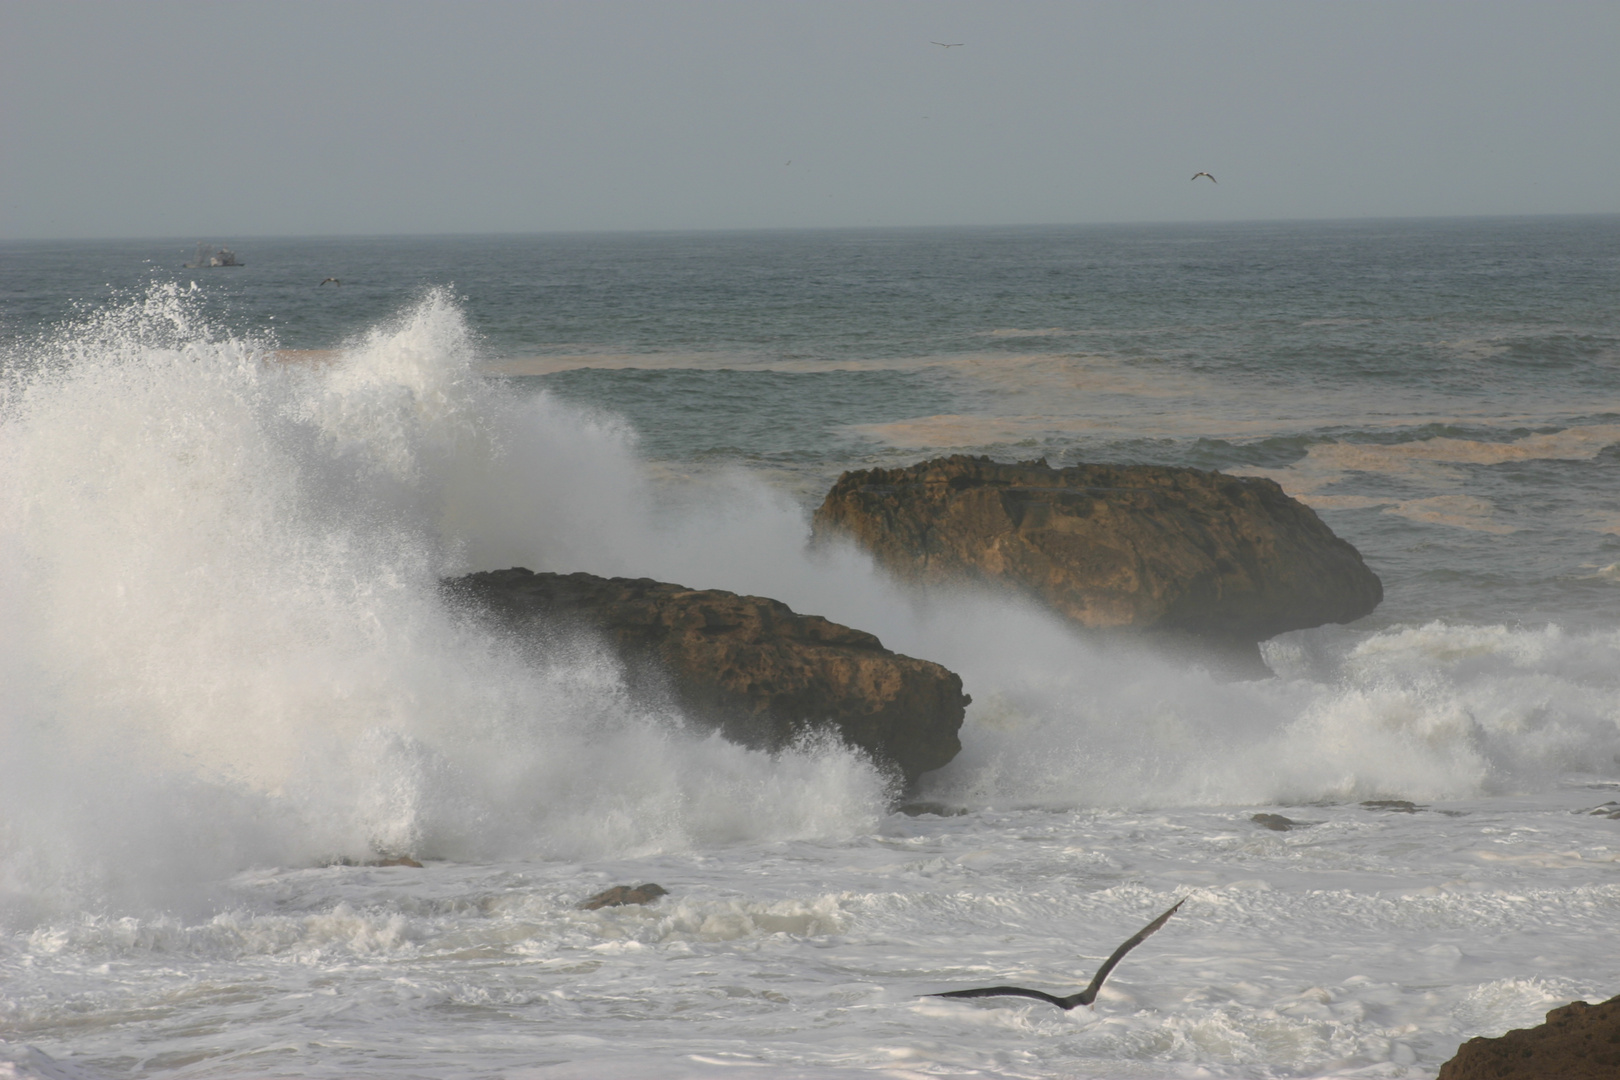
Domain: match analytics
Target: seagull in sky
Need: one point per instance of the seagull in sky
(333, 280)
(951, 45)
(1196, 175)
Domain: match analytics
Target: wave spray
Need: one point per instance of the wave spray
(224, 644)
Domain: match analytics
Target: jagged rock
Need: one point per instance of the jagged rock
(1578, 1042)
(1175, 552)
(623, 894)
(745, 664)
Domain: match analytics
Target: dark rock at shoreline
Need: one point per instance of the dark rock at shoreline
(623, 894)
(1191, 557)
(1578, 1042)
(748, 665)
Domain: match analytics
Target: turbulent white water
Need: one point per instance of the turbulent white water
(226, 668)
(224, 575)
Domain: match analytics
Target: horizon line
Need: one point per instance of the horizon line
(190, 238)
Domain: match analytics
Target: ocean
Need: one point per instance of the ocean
(228, 681)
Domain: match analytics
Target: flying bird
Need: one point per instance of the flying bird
(333, 280)
(951, 45)
(1084, 997)
(1212, 180)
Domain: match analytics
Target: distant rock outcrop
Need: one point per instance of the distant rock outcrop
(620, 895)
(1277, 822)
(745, 664)
(1578, 1042)
(1179, 553)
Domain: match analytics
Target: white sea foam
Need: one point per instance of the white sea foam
(224, 644)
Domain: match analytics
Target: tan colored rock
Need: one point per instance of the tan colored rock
(1578, 1042)
(745, 664)
(1141, 548)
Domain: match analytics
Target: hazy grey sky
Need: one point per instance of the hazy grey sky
(236, 119)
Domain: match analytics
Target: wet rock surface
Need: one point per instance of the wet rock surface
(620, 895)
(1279, 823)
(1578, 1042)
(1184, 553)
(1394, 806)
(747, 665)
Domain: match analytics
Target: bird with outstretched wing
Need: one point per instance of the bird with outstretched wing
(1084, 997)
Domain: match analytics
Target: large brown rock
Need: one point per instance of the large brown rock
(1578, 1042)
(1141, 547)
(745, 664)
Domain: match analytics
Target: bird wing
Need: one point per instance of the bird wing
(1008, 991)
(1084, 997)
(1089, 994)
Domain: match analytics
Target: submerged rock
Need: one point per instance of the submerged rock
(750, 666)
(1394, 806)
(1278, 823)
(937, 809)
(380, 860)
(1191, 556)
(623, 894)
(1578, 1042)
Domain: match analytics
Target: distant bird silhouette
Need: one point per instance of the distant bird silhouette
(333, 280)
(951, 45)
(1084, 997)
(1212, 180)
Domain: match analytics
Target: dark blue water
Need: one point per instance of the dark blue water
(1240, 296)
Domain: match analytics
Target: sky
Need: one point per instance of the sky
(223, 120)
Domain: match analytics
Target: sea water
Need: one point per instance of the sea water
(228, 682)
